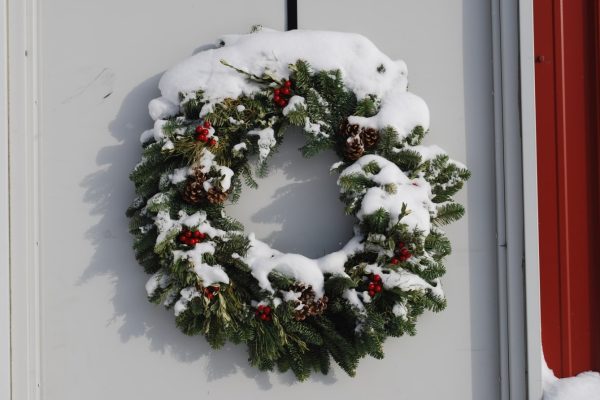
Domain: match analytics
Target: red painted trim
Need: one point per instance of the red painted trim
(546, 121)
(594, 70)
(567, 47)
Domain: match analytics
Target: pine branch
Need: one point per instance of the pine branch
(250, 76)
(448, 213)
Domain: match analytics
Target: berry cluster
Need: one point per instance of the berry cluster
(402, 254)
(281, 95)
(202, 132)
(375, 285)
(190, 237)
(263, 312)
(211, 291)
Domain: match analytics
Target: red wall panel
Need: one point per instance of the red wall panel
(566, 114)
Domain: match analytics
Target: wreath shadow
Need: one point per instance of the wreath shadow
(109, 192)
(306, 208)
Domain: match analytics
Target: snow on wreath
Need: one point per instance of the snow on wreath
(223, 105)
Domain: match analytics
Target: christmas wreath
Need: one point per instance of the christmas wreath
(221, 115)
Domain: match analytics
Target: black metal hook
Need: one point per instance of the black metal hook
(292, 14)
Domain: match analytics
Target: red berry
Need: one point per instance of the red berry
(203, 138)
(181, 238)
(285, 91)
(378, 288)
(376, 278)
(202, 235)
(213, 142)
(276, 92)
(205, 131)
(264, 317)
(276, 98)
(287, 84)
(216, 288)
(400, 244)
(206, 124)
(371, 293)
(199, 129)
(371, 286)
(210, 296)
(188, 234)
(282, 103)
(194, 241)
(260, 307)
(267, 310)
(196, 234)
(394, 261)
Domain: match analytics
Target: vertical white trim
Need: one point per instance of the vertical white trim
(23, 197)
(503, 321)
(509, 200)
(513, 199)
(5, 378)
(528, 129)
(516, 194)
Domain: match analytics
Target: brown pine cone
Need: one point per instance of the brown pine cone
(300, 315)
(192, 192)
(347, 130)
(307, 305)
(369, 136)
(321, 306)
(216, 196)
(354, 148)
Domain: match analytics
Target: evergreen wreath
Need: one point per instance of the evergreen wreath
(229, 105)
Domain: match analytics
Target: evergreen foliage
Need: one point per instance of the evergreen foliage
(344, 333)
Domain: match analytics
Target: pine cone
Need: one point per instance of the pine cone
(307, 305)
(193, 193)
(216, 196)
(369, 136)
(354, 148)
(347, 130)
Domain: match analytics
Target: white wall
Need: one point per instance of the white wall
(4, 231)
(99, 64)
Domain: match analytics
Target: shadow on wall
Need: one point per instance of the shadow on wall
(296, 208)
(109, 192)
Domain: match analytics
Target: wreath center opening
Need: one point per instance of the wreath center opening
(296, 208)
